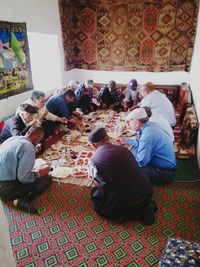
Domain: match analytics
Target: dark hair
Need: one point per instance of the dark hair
(148, 111)
(28, 108)
(37, 94)
(69, 93)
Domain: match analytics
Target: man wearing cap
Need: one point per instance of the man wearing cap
(132, 95)
(86, 100)
(158, 102)
(20, 123)
(124, 191)
(153, 148)
(110, 96)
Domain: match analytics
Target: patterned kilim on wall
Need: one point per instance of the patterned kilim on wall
(129, 35)
(68, 232)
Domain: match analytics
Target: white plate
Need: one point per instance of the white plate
(83, 139)
(61, 172)
(39, 163)
(51, 155)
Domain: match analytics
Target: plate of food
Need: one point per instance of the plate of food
(61, 172)
(83, 139)
(80, 172)
(51, 155)
(85, 154)
(89, 145)
(60, 145)
(81, 161)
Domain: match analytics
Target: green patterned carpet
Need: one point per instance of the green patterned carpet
(69, 233)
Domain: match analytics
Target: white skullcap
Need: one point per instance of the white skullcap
(136, 114)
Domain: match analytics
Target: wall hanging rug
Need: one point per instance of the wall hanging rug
(68, 232)
(15, 70)
(128, 35)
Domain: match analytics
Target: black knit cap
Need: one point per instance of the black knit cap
(97, 135)
(28, 108)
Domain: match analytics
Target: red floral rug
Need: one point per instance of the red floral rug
(69, 233)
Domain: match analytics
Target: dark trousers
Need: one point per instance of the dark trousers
(11, 190)
(160, 176)
(49, 127)
(109, 204)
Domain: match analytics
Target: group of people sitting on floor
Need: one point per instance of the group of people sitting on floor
(125, 173)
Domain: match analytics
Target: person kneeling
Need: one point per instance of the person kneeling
(124, 191)
(17, 180)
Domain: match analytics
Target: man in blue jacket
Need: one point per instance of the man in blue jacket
(153, 148)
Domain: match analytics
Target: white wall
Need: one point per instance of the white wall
(195, 80)
(45, 45)
(124, 76)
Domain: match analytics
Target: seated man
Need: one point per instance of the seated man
(132, 95)
(161, 121)
(44, 118)
(153, 148)
(17, 180)
(18, 124)
(124, 191)
(158, 103)
(110, 96)
(60, 106)
(72, 85)
(86, 100)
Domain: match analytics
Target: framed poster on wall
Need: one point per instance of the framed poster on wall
(15, 70)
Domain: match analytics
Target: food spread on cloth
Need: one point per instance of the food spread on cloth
(69, 156)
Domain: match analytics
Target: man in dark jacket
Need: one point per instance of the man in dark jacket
(110, 96)
(20, 123)
(124, 191)
(59, 105)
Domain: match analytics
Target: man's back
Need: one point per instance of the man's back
(160, 105)
(120, 172)
(17, 158)
(155, 147)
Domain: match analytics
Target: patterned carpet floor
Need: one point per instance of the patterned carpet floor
(69, 233)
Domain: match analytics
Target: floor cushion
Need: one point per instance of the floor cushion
(180, 253)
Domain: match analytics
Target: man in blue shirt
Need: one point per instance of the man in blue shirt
(17, 180)
(59, 105)
(153, 148)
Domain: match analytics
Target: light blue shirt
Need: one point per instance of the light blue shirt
(17, 158)
(159, 105)
(153, 146)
